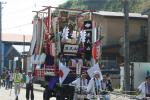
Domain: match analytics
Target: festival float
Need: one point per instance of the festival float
(65, 43)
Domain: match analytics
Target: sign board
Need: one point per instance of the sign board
(70, 48)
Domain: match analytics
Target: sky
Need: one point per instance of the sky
(17, 16)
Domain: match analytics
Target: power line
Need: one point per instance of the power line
(18, 26)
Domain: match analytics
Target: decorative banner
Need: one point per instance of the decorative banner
(98, 43)
(98, 52)
(78, 68)
(88, 25)
(63, 72)
(63, 20)
(65, 33)
(93, 69)
(88, 39)
(46, 23)
(82, 36)
(94, 52)
(80, 22)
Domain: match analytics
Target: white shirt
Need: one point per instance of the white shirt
(11, 77)
(91, 87)
(104, 85)
(29, 79)
(80, 83)
(143, 88)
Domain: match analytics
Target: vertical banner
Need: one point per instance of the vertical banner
(78, 69)
(88, 40)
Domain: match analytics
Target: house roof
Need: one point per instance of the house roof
(120, 14)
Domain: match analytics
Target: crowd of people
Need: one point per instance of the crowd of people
(16, 79)
(94, 87)
(6, 79)
(89, 88)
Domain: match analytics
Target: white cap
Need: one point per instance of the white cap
(29, 71)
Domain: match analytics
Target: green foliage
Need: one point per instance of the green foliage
(107, 5)
(113, 5)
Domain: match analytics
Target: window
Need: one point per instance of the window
(143, 32)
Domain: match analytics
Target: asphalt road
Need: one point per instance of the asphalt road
(6, 95)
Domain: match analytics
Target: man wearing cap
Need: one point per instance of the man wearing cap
(144, 88)
(94, 86)
(29, 86)
(80, 85)
(17, 82)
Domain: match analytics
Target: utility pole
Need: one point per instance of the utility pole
(1, 67)
(23, 54)
(1, 45)
(126, 48)
(0, 22)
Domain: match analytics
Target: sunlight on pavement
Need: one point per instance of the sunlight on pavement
(9, 95)
(53, 98)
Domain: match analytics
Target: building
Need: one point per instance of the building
(111, 26)
(147, 12)
(9, 52)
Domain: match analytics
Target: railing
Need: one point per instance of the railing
(40, 73)
(53, 71)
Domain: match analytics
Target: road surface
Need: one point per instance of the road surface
(6, 95)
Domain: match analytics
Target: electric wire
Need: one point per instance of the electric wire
(18, 26)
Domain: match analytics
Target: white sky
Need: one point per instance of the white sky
(17, 15)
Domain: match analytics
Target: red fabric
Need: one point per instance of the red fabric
(50, 48)
(94, 52)
(56, 71)
(46, 22)
(46, 36)
(61, 74)
(97, 43)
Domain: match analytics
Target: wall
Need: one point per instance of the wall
(113, 28)
(116, 29)
(10, 52)
(101, 21)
